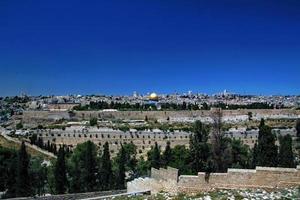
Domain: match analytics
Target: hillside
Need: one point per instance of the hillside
(15, 145)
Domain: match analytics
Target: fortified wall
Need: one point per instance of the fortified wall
(261, 177)
(35, 117)
(188, 115)
(143, 140)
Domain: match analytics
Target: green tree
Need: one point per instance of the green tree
(23, 182)
(180, 159)
(298, 128)
(267, 150)
(130, 160)
(142, 167)
(240, 154)
(221, 149)
(60, 172)
(250, 115)
(83, 168)
(90, 170)
(154, 157)
(199, 148)
(286, 156)
(8, 159)
(33, 138)
(167, 155)
(121, 162)
(106, 169)
(19, 125)
(38, 172)
(75, 174)
(262, 122)
(254, 156)
(93, 121)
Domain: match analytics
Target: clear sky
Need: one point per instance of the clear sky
(118, 46)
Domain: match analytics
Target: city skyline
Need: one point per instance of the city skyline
(249, 47)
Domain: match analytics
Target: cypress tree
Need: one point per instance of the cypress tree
(89, 173)
(298, 128)
(221, 149)
(286, 157)
(48, 146)
(106, 169)
(267, 150)
(75, 184)
(23, 182)
(8, 159)
(167, 155)
(254, 156)
(60, 172)
(121, 160)
(11, 182)
(199, 148)
(262, 122)
(54, 149)
(155, 159)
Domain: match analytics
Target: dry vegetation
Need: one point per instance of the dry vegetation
(13, 145)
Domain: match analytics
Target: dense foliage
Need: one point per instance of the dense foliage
(286, 155)
(21, 175)
(89, 168)
(267, 151)
(100, 105)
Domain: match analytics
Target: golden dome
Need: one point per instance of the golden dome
(153, 96)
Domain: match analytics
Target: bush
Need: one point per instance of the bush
(19, 125)
(93, 122)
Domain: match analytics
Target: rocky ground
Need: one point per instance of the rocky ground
(258, 194)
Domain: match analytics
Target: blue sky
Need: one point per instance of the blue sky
(117, 47)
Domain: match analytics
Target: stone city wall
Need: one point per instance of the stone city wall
(169, 174)
(161, 180)
(261, 177)
(34, 117)
(143, 140)
(204, 115)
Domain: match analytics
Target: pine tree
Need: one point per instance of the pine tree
(199, 148)
(23, 182)
(60, 172)
(106, 169)
(267, 150)
(121, 160)
(167, 155)
(286, 157)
